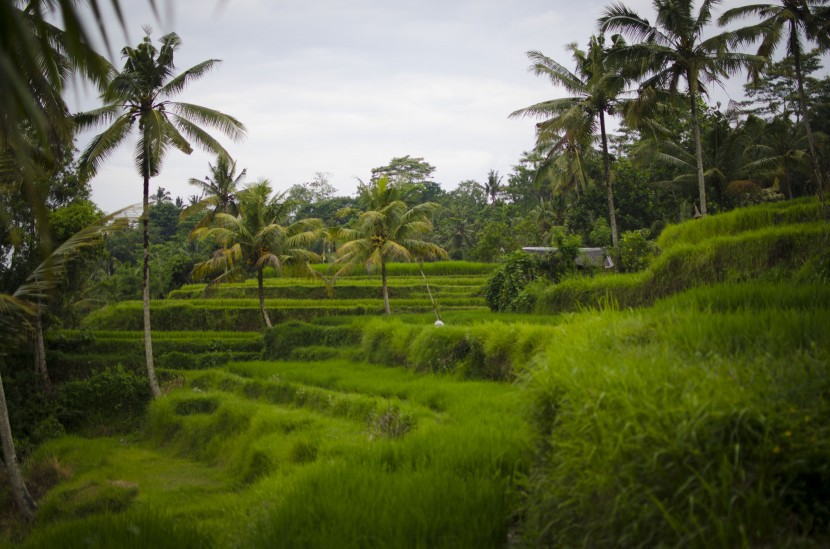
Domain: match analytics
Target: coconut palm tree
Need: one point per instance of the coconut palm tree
(256, 238)
(493, 187)
(217, 190)
(778, 151)
(724, 159)
(789, 21)
(386, 230)
(139, 97)
(595, 88)
(672, 50)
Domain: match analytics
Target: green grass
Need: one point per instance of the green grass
(301, 454)
(804, 210)
(437, 268)
(244, 315)
(681, 425)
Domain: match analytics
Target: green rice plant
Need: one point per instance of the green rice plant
(750, 296)
(224, 315)
(336, 504)
(281, 340)
(681, 426)
(803, 210)
(480, 351)
(386, 342)
(136, 530)
(439, 268)
(342, 291)
(92, 498)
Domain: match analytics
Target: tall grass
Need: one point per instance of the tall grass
(804, 210)
(483, 351)
(678, 426)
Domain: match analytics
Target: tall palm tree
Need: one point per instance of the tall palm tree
(595, 88)
(139, 96)
(256, 238)
(386, 230)
(789, 21)
(218, 190)
(672, 50)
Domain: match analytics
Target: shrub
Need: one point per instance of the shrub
(516, 271)
(634, 252)
(113, 399)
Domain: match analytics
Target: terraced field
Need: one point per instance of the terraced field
(199, 326)
(639, 411)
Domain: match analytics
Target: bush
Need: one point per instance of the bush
(111, 400)
(516, 271)
(634, 252)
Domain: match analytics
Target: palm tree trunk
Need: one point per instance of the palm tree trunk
(40, 351)
(385, 288)
(802, 104)
(701, 180)
(606, 164)
(261, 287)
(25, 504)
(148, 340)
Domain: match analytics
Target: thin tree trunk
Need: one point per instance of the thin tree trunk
(606, 164)
(148, 340)
(262, 298)
(25, 504)
(805, 115)
(40, 351)
(701, 180)
(384, 287)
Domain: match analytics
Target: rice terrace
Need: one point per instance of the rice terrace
(622, 342)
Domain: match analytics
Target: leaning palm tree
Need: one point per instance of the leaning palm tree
(595, 88)
(256, 238)
(388, 229)
(218, 190)
(672, 50)
(139, 97)
(789, 21)
(19, 314)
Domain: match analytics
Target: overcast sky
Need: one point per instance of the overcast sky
(345, 86)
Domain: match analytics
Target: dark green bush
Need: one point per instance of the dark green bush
(516, 271)
(634, 252)
(110, 400)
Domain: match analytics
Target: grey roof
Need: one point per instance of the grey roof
(593, 257)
